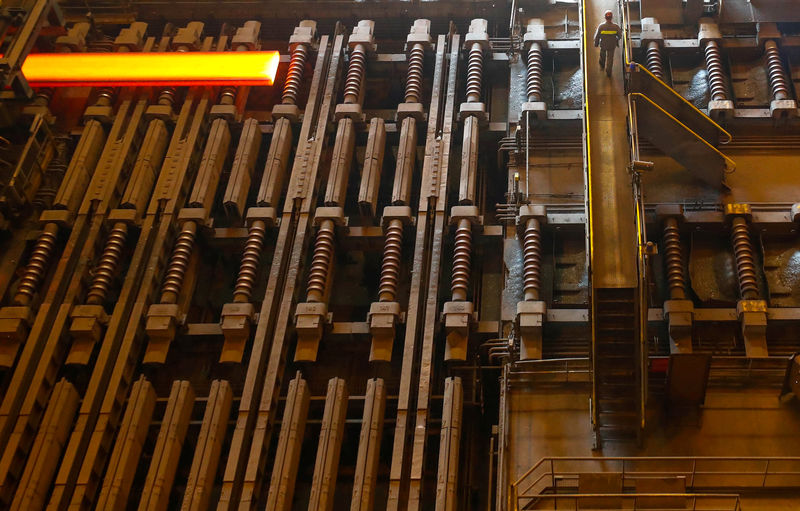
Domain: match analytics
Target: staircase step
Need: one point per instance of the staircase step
(616, 362)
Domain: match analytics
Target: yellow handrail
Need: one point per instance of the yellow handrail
(588, 160)
(641, 226)
(730, 165)
(628, 53)
(717, 126)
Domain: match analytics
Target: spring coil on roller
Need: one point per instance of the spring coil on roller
(105, 95)
(392, 254)
(227, 96)
(37, 265)
(416, 57)
(745, 259)
(474, 73)
(250, 259)
(167, 96)
(462, 257)
(716, 76)
(106, 268)
(533, 79)
(654, 63)
(674, 260)
(53, 176)
(355, 74)
(43, 95)
(321, 262)
(178, 263)
(294, 76)
(778, 80)
(532, 259)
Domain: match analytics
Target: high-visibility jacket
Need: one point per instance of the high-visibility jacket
(608, 35)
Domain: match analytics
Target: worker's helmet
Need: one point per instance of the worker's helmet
(609, 15)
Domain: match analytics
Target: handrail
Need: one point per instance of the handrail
(730, 165)
(719, 128)
(769, 462)
(630, 63)
(735, 505)
(588, 195)
(627, 41)
(641, 225)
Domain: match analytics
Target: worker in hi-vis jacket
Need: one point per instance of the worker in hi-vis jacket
(607, 38)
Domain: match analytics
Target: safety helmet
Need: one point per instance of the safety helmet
(608, 15)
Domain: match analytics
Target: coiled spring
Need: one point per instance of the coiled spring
(294, 76)
(178, 263)
(106, 268)
(37, 265)
(654, 63)
(43, 95)
(321, 262)
(167, 96)
(474, 73)
(533, 79)
(532, 259)
(355, 74)
(250, 259)
(392, 254)
(227, 96)
(778, 80)
(673, 259)
(53, 176)
(105, 96)
(745, 259)
(462, 258)
(716, 76)
(416, 56)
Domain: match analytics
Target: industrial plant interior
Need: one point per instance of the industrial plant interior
(399, 255)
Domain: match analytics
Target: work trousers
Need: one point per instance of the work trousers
(607, 59)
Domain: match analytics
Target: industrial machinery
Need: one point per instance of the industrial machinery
(399, 255)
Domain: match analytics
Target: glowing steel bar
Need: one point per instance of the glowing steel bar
(179, 68)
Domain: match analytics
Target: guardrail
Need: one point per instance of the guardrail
(632, 501)
(641, 223)
(700, 473)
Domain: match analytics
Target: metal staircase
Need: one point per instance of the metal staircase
(615, 364)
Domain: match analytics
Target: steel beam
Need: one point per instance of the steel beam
(326, 467)
(209, 447)
(290, 441)
(128, 447)
(51, 439)
(369, 447)
(164, 461)
(450, 439)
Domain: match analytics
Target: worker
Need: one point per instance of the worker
(607, 38)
